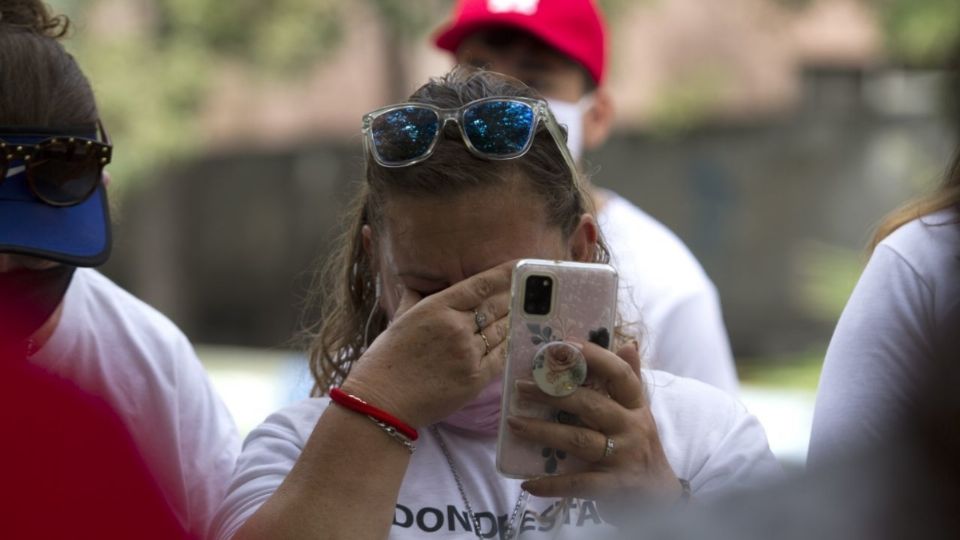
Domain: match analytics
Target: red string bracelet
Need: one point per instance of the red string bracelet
(358, 405)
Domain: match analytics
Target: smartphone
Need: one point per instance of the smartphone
(550, 301)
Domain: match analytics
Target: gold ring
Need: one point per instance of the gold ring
(486, 344)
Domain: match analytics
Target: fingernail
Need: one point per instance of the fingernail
(530, 485)
(575, 342)
(515, 423)
(526, 387)
(636, 344)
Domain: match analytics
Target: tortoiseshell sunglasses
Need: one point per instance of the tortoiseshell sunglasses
(61, 170)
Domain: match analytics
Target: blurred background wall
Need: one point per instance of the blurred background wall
(770, 135)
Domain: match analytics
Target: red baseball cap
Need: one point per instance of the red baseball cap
(573, 27)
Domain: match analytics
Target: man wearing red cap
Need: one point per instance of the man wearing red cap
(559, 48)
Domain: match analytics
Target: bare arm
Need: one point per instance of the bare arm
(428, 364)
(344, 485)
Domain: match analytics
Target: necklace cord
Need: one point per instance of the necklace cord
(510, 531)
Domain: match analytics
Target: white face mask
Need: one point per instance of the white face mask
(571, 115)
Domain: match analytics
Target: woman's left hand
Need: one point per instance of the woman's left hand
(634, 468)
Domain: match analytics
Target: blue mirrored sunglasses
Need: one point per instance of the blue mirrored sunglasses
(492, 128)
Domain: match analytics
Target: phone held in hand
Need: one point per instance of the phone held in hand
(551, 301)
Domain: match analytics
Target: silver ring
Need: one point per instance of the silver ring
(608, 449)
(480, 319)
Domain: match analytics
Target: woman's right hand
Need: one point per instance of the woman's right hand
(431, 360)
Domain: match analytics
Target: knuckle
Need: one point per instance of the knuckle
(456, 329)
(483, 287)
(592, 408)
(580, 440)
(624, 371)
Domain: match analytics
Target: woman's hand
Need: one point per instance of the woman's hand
(432, 360)
(635, 468)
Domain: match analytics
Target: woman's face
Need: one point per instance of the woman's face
(427, 244)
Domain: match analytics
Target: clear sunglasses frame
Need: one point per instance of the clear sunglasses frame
(541, 113)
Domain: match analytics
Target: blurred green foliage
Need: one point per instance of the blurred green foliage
(411, 20)
(920, 32)
(825, 277)
(916, 32)
(154, 74)
(278, 36)
(687, 101)
(787, 372)
(148, 98)
(795, 4)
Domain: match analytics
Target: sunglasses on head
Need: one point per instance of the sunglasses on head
(61, 170)
(492, 128)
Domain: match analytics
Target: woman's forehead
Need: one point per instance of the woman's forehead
(482, 209)
(479, 228)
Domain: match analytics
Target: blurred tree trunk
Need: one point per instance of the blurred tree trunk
(396, 56)
(405, 24)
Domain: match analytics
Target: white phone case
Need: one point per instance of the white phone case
(584, 306)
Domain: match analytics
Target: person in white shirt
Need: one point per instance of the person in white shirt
(559, 48)
(411, 345)
(61, 314)
(896, 328)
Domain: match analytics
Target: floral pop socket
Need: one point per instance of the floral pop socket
(559, 368)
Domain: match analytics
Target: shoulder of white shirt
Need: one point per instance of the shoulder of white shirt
(124, 312)
(926, 241)
(647, 251)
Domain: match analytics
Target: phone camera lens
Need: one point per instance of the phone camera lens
(538, 295)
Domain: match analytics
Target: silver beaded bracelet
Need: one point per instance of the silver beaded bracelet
(396, 435)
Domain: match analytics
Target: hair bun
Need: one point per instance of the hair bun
(33, 16)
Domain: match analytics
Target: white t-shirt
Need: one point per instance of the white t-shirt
(883, 345)
(709, 439)
(122, 350)
(666, 297)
